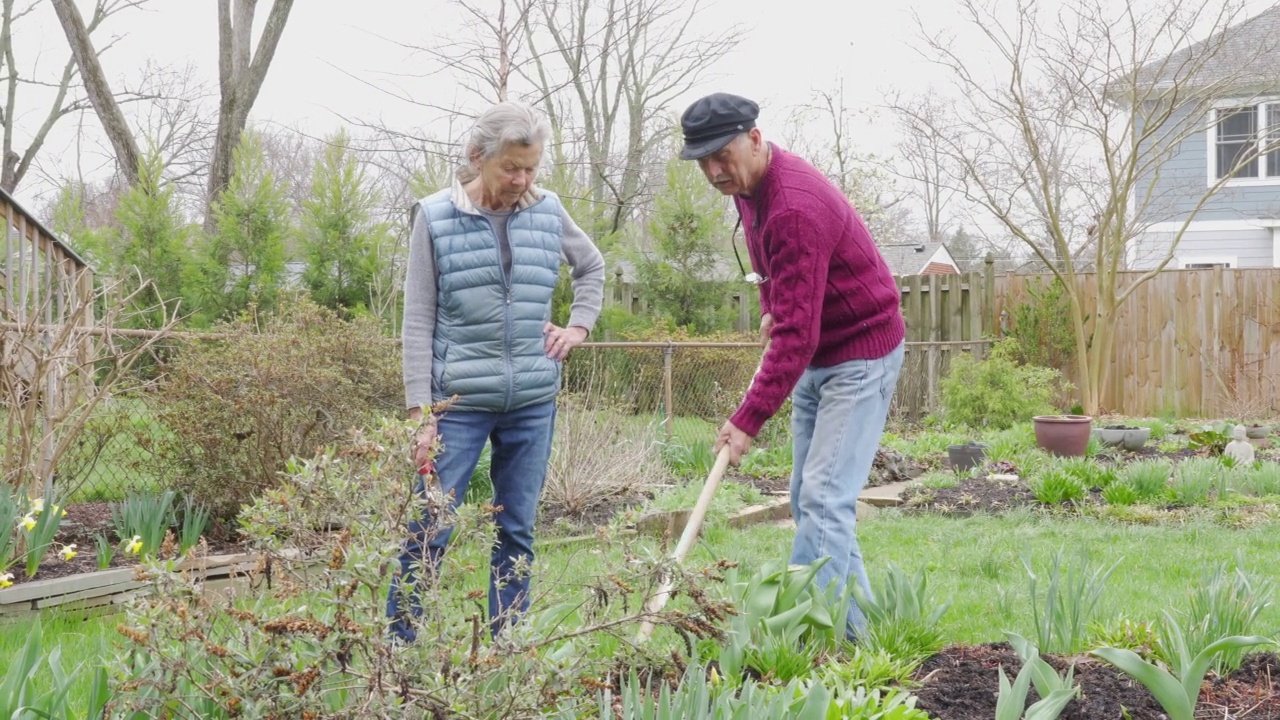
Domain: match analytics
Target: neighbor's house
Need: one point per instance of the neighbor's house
(919, 259)
(1239, 225)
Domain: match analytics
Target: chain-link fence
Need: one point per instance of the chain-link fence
(682, 390)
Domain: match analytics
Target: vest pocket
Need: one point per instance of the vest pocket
(438, 366)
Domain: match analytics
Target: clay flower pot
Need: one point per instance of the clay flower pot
(1063, 435)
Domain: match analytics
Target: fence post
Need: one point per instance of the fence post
(668, 395)
(988, 298)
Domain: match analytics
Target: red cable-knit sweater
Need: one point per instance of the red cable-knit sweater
(829, 291)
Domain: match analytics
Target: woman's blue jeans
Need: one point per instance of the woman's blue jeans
(521, 448)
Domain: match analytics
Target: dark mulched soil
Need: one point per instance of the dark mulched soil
(983, 494)
(962, 682)
(971, 495)
(82, 525)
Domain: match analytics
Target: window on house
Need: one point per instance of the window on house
(1205, 265)
(1247, 142)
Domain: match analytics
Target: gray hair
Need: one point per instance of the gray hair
(507, 123)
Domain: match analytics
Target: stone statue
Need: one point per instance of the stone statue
(1239, 449)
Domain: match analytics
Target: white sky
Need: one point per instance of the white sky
(789, 49)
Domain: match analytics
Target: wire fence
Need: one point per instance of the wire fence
(684, 390)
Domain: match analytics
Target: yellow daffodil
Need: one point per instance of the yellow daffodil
(6, 579)
(69, 551)
(134, 546)
(55, 509)
(28, 523)
(37, 506)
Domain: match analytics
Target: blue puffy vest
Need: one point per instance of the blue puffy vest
(488, 343)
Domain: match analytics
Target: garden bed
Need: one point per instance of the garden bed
(81, 526)
(962, 683)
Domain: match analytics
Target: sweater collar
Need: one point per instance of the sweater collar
(462, 200)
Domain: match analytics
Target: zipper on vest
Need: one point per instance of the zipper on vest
(508, 365)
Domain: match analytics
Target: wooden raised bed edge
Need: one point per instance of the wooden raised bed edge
(106, 591)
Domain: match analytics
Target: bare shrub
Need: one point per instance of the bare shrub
(58, 365)
(598, 453)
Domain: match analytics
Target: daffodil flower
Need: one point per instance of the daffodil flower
(55, 509)
(37, 506)
(28, 523)
(6, 579)
(69, 551)
(134, 546)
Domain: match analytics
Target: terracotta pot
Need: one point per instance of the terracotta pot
(1063, 435)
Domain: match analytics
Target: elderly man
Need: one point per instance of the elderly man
(830, 321)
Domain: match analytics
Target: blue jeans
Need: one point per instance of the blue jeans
(521, 448)
(838, 415)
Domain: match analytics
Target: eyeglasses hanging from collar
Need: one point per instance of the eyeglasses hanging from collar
(751, 277)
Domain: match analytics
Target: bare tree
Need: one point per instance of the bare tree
(488, 53)
(173, 116)
(1066, 144)
(924, 162)
(823, 131)
(240, 74)
(623, 62)
(15, 163)
(241, 71)
(98, 89)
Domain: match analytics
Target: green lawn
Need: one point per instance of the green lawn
(973, 563)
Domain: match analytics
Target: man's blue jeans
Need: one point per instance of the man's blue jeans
(838, 415)
(521, 448)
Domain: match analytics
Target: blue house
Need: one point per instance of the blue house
(1238, 224)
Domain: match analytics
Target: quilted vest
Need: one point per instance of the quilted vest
(488, 342)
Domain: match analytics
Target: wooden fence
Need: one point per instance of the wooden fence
(937, 308)
(1195, 343)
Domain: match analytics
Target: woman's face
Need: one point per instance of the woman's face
(509, 174)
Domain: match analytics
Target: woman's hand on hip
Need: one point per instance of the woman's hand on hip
(559, 341)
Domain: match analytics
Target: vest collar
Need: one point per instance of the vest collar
(462, 200)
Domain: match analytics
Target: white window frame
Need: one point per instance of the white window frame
(1230, 261)
(1259, 106)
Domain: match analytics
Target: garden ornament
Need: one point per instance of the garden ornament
(1240, 449)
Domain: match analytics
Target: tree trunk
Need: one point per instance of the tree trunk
(240, 77)
(99, 91)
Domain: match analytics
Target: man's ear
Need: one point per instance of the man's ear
(757, 139)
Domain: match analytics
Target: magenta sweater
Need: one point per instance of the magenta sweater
(830, 293)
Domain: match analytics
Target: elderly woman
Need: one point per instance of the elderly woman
(484, 258)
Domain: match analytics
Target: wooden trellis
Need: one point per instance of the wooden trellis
(44, 285)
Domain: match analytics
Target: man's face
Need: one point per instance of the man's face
(733, 168)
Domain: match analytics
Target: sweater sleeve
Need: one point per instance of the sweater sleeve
(799, 257)
(419, 327)
(588, 274)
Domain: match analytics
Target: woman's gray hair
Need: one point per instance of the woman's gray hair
(507, 123)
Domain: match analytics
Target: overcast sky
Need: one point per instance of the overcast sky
(335, 54)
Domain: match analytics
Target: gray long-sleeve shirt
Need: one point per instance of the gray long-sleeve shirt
(418, 331)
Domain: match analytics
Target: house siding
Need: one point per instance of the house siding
(1184, 180)
(1251, 248)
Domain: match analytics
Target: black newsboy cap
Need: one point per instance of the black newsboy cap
(711, 122)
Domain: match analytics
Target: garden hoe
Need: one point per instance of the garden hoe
(691, 528)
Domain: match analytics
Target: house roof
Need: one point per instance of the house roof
(1243, 55)
(913, 258)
